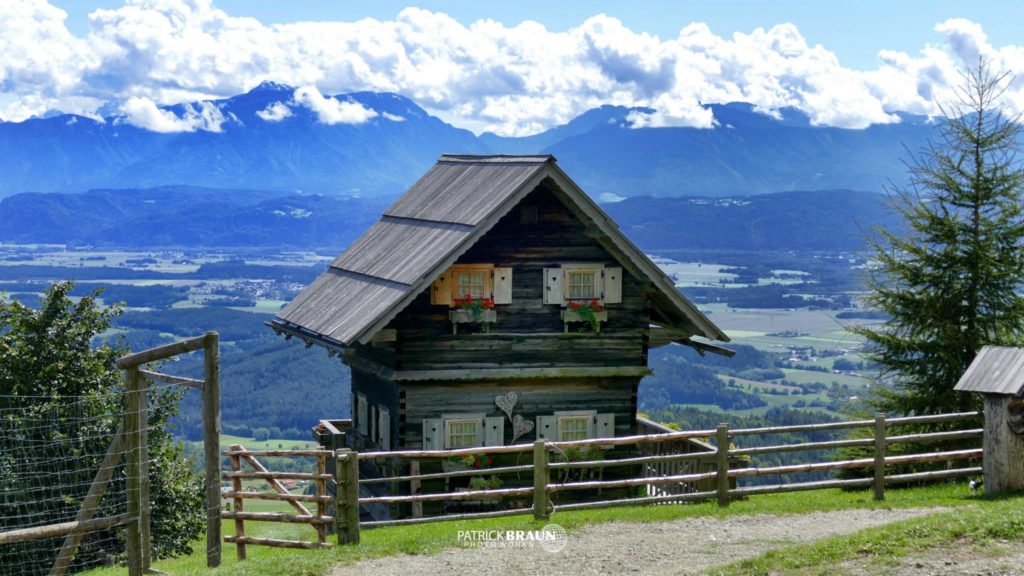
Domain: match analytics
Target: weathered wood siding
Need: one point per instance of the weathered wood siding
(380, 393)
(523, 334)
(537, 397)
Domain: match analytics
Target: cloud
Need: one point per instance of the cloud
(144, 113)
(275, 112)
(512, 80)
(331, 110)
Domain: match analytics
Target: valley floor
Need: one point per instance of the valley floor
(690, 546)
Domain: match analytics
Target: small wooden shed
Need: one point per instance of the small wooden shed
(997, 373)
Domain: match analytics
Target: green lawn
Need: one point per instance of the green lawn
(881, 549)
(433, 537)
(272, 444)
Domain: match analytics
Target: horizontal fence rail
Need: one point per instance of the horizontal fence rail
(663, 468)
(724, 476)
(320, 520)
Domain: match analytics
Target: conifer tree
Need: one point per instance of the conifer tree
(949, 279)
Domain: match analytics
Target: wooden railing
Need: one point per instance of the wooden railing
(725, 468)
(238, 495)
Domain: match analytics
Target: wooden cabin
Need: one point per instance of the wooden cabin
(493, 303)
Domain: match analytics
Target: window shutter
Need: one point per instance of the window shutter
(494, 431)
(441, 290)
(604, 426)
(547, 428)
(612, 286)
(502, 285)
(433, 434)
(384, 429)
(361, 416)
(373, 423)
(553, 286)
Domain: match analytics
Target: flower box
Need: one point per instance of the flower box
(462, 316)
(573, 316)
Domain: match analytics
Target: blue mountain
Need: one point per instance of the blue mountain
(746, 152)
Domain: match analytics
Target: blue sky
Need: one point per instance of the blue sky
(855, 31)
(513, 68)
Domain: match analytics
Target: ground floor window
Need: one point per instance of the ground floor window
(573, 428)
(461, 433)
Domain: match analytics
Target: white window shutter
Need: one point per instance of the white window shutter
(433, 434)
(612, 286)
(547, 428)
(502, 285)
(384, 429)
(441, 290)
(604, 426)
(553, 286)
(361, 414)
(494, 431)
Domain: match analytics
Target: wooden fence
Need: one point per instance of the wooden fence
(724, 466)
(728, 465)
(319, 521)
(130, 441)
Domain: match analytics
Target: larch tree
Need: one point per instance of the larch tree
(949, 280)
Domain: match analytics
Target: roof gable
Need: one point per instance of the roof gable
(437, 220)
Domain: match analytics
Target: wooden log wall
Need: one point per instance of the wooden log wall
(424, 339)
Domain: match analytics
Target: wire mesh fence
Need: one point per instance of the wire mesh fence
(63, 460)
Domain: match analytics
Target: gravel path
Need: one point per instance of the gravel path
(679, 547)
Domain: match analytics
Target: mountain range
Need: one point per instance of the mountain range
(746, 152)
(822, 220)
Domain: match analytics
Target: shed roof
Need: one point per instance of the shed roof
(995, 370)
(426, 230)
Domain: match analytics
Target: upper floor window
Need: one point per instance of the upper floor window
(582, 284)
(472, 283)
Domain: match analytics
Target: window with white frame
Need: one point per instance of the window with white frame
(581, 284)
(472, 283)
(461, 433)
(573, 428)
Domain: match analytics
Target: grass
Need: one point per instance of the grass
(434, 537)
(227, 440)
(980, 525)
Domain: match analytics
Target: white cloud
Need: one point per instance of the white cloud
(331, 110)
(393, 117)
(144, 113)
(275, 112)
(485, 76)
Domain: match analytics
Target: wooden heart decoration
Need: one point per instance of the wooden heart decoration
(520, 426)
(507, 403)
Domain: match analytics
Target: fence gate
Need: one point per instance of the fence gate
(239, 494)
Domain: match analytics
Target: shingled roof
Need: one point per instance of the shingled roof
(995, 370)
(426, 230)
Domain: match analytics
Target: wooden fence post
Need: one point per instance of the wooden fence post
(346, 496)
(321, 490)
(879, 483)
(133, 471)
(722, 464)
(236, 485)
(415, 487)
(541, 503)
(211, 445)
